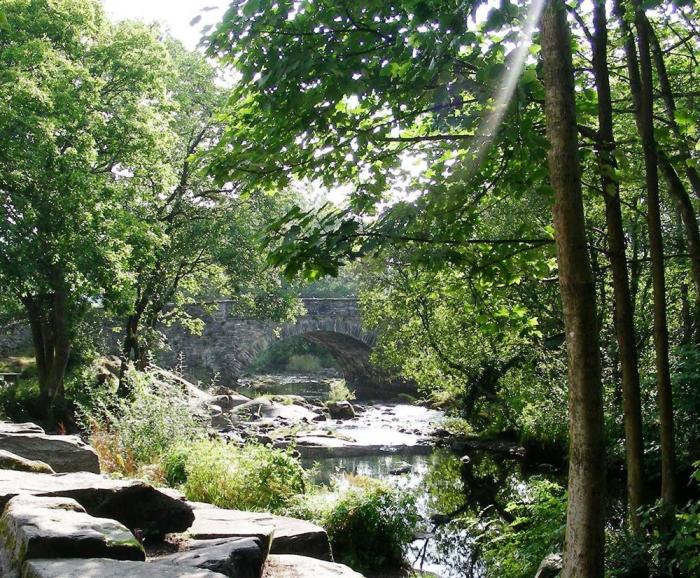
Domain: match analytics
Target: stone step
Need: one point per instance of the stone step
(104, 568)
(290, 566)
(32, 527)
(63, 453)
(10, 461)
(233, 557)
(288, 535)
(134, 503)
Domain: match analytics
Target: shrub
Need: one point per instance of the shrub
(515, 549)
(370, 524)
(19, 401)
(339, 391)
(129, 434)
(669, 546)
(306, 363)
(252, 477)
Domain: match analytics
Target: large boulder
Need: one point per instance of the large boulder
(104, 568)
(289, 566)
(20, 428)
(33, 527)
(10, 461)
(288, 535)
(340, 409)
(229, 401)
(134, 503)
(236, 558)
(62, 452)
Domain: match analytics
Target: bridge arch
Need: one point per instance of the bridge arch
(229, 344)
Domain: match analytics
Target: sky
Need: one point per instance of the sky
(174, 14)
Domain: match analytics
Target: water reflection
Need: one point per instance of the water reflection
(453, 495)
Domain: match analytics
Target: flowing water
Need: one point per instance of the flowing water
(440, 481)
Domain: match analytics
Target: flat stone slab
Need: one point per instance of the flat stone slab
(233, 557)
(134, 503)
(270, 410)
(289, 535)
(104, 568)
(33, 527)
(63, 453)
(10, 461)
(20, 428)
(289, 566)
(322, 446)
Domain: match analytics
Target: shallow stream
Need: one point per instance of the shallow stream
(441, 482)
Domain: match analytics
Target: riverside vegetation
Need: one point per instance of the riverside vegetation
(518, 218)
(155, 436)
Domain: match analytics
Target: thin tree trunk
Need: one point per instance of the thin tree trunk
(585, 522)
(686, 316)
(624, 313)
(678, 193)
(130, 351)
(61, 341)
(670, 106)
(641, 84)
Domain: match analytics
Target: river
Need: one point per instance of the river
(394, 436)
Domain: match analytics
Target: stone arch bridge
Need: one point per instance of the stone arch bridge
(228, 343)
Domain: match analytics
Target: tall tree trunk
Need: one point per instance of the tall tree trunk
(62, 345)
(130, 351)
(624, 313)
(641, 84)
(48, 319)
(584, 528)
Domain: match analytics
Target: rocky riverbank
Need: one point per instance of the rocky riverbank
(315, 427)
(81, 524)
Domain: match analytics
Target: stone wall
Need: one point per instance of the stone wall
(14, 337)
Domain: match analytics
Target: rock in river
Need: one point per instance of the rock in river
(20, 428)
(340, 409)
(134, 503)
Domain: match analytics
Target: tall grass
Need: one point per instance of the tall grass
(252, 477)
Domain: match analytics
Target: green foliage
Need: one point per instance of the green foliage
(136, 432)
(303, 362)
(252, 477)
(278, 356)
(369, 523)
(339, 391)
(686, 397)
(670, 545)
(67, 123)
(514, 549)
(18, 401)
